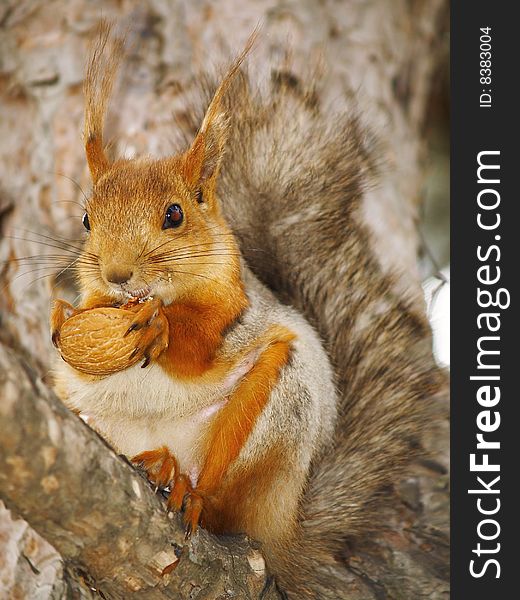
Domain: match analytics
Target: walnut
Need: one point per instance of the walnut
(94, 341)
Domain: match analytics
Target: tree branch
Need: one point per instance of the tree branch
(98, 512)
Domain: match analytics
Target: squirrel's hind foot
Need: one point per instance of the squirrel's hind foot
(162, 470)
(160, 466)
(183, 496)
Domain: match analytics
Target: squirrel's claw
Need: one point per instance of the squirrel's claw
(132, 327)
(55, 338)
(155, 340)
(184, 496)
(135, 352)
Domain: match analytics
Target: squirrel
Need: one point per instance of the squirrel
(279, 395)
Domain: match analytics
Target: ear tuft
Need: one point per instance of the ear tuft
(105, 56)
(204, 157)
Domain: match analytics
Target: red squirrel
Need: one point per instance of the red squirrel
(236, 407)
(237, 396)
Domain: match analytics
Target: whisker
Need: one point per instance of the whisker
(195, 248)
(49, 237)
(59, 243)
(46, 257)
(141, 253)
(62, 263)
(159, 271)
(172, 258)
(56, 267)
(189, 273)
(30, 272)
(69, 202)
(166, 259)
(75, 183)
(55, 246)
(71, 265)
(176, 240)
(180, 236)
(34, 259)
(53, 287)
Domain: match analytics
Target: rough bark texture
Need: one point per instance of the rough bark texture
(96, 509)
(387, 52)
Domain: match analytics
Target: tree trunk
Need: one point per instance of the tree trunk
(388, 52)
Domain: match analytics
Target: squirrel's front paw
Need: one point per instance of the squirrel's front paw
(153, 326)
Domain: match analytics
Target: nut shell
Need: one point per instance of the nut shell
(94, 341)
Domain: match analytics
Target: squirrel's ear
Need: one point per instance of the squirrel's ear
(203, 159)
(105, 57)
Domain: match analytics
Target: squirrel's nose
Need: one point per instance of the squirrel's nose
(118, 275)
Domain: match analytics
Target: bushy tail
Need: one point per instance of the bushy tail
(291, 186)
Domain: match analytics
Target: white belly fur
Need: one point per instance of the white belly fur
(143, 409)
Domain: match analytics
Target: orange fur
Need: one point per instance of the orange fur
(233, 424)
(180, 488)
(235, 506)
(216, 500)
(196, 331)
(204, 157)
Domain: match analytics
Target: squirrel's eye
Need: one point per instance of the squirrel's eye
(86, 224)
(173, 217)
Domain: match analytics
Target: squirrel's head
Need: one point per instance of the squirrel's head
(154, 226)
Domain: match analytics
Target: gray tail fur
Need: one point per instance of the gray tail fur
(292, 182)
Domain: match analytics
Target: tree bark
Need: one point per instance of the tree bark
(387, 52)
(98, 512)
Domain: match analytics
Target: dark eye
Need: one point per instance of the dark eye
(173, 217)
(86, 224)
